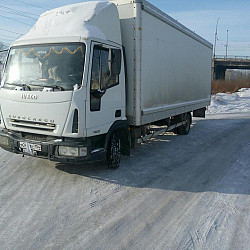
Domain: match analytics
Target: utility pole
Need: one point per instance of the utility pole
(215, 40)
(227, 44)
(215, 37)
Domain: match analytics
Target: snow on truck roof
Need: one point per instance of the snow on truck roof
(76, 20)
(97, 19)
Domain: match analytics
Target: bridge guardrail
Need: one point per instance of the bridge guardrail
(232, 57)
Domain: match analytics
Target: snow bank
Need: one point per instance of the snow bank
(230, 103)
(70, 20)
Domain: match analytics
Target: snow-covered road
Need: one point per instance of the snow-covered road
(176, 192)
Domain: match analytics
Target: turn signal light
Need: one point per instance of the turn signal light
(73, 151)
(4, 141)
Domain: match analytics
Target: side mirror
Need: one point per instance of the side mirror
(115, 57)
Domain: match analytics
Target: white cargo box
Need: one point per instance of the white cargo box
(168, 65)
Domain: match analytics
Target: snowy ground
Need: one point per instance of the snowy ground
(176, 192)
(237, 102)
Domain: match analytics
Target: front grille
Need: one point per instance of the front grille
(35, 137)
(33, 125)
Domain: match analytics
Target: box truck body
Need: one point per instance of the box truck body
(168, 65)
(95, 76)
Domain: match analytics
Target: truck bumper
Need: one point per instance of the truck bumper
(55, 150)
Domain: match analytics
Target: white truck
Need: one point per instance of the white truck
(97, 76)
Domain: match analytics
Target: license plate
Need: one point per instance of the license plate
(29, 147)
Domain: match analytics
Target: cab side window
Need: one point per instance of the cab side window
(101, 77)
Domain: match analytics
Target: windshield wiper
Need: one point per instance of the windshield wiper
(47, 86)
(28, 87)
(57, 87)
(20, 84)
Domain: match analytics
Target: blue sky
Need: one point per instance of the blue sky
(198, 15)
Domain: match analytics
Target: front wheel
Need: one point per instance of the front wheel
(113, 155)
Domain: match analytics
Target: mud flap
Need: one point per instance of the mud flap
(199, 113)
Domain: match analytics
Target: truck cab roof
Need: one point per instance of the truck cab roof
(74, 22)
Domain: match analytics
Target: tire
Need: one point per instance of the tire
(113, 155)
(176, 131)
(184, 129)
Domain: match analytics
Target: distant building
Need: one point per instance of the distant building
(237, 74)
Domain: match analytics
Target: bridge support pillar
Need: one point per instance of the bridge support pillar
(219, 73)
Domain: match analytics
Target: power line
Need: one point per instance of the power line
(15, 20)
(18, 14)
(19, 11)
(8, 36)
(7, 39)
(11, 31)
(4, 45)
(30, 4)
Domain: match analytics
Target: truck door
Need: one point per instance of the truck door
(105, 92)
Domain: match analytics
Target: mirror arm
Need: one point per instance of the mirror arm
(98, 93)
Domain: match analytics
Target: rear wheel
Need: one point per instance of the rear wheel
(184, 129)
(113, 155)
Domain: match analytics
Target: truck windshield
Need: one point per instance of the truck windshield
(50, 67)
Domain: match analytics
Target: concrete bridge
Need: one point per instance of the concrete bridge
(222, 63)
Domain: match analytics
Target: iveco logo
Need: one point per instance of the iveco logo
(29, 96)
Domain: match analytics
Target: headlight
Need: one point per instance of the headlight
(72, 151)
(4, 141)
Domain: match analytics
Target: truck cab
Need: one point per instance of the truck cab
(63, 91)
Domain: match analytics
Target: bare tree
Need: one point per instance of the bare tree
(3, 51)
